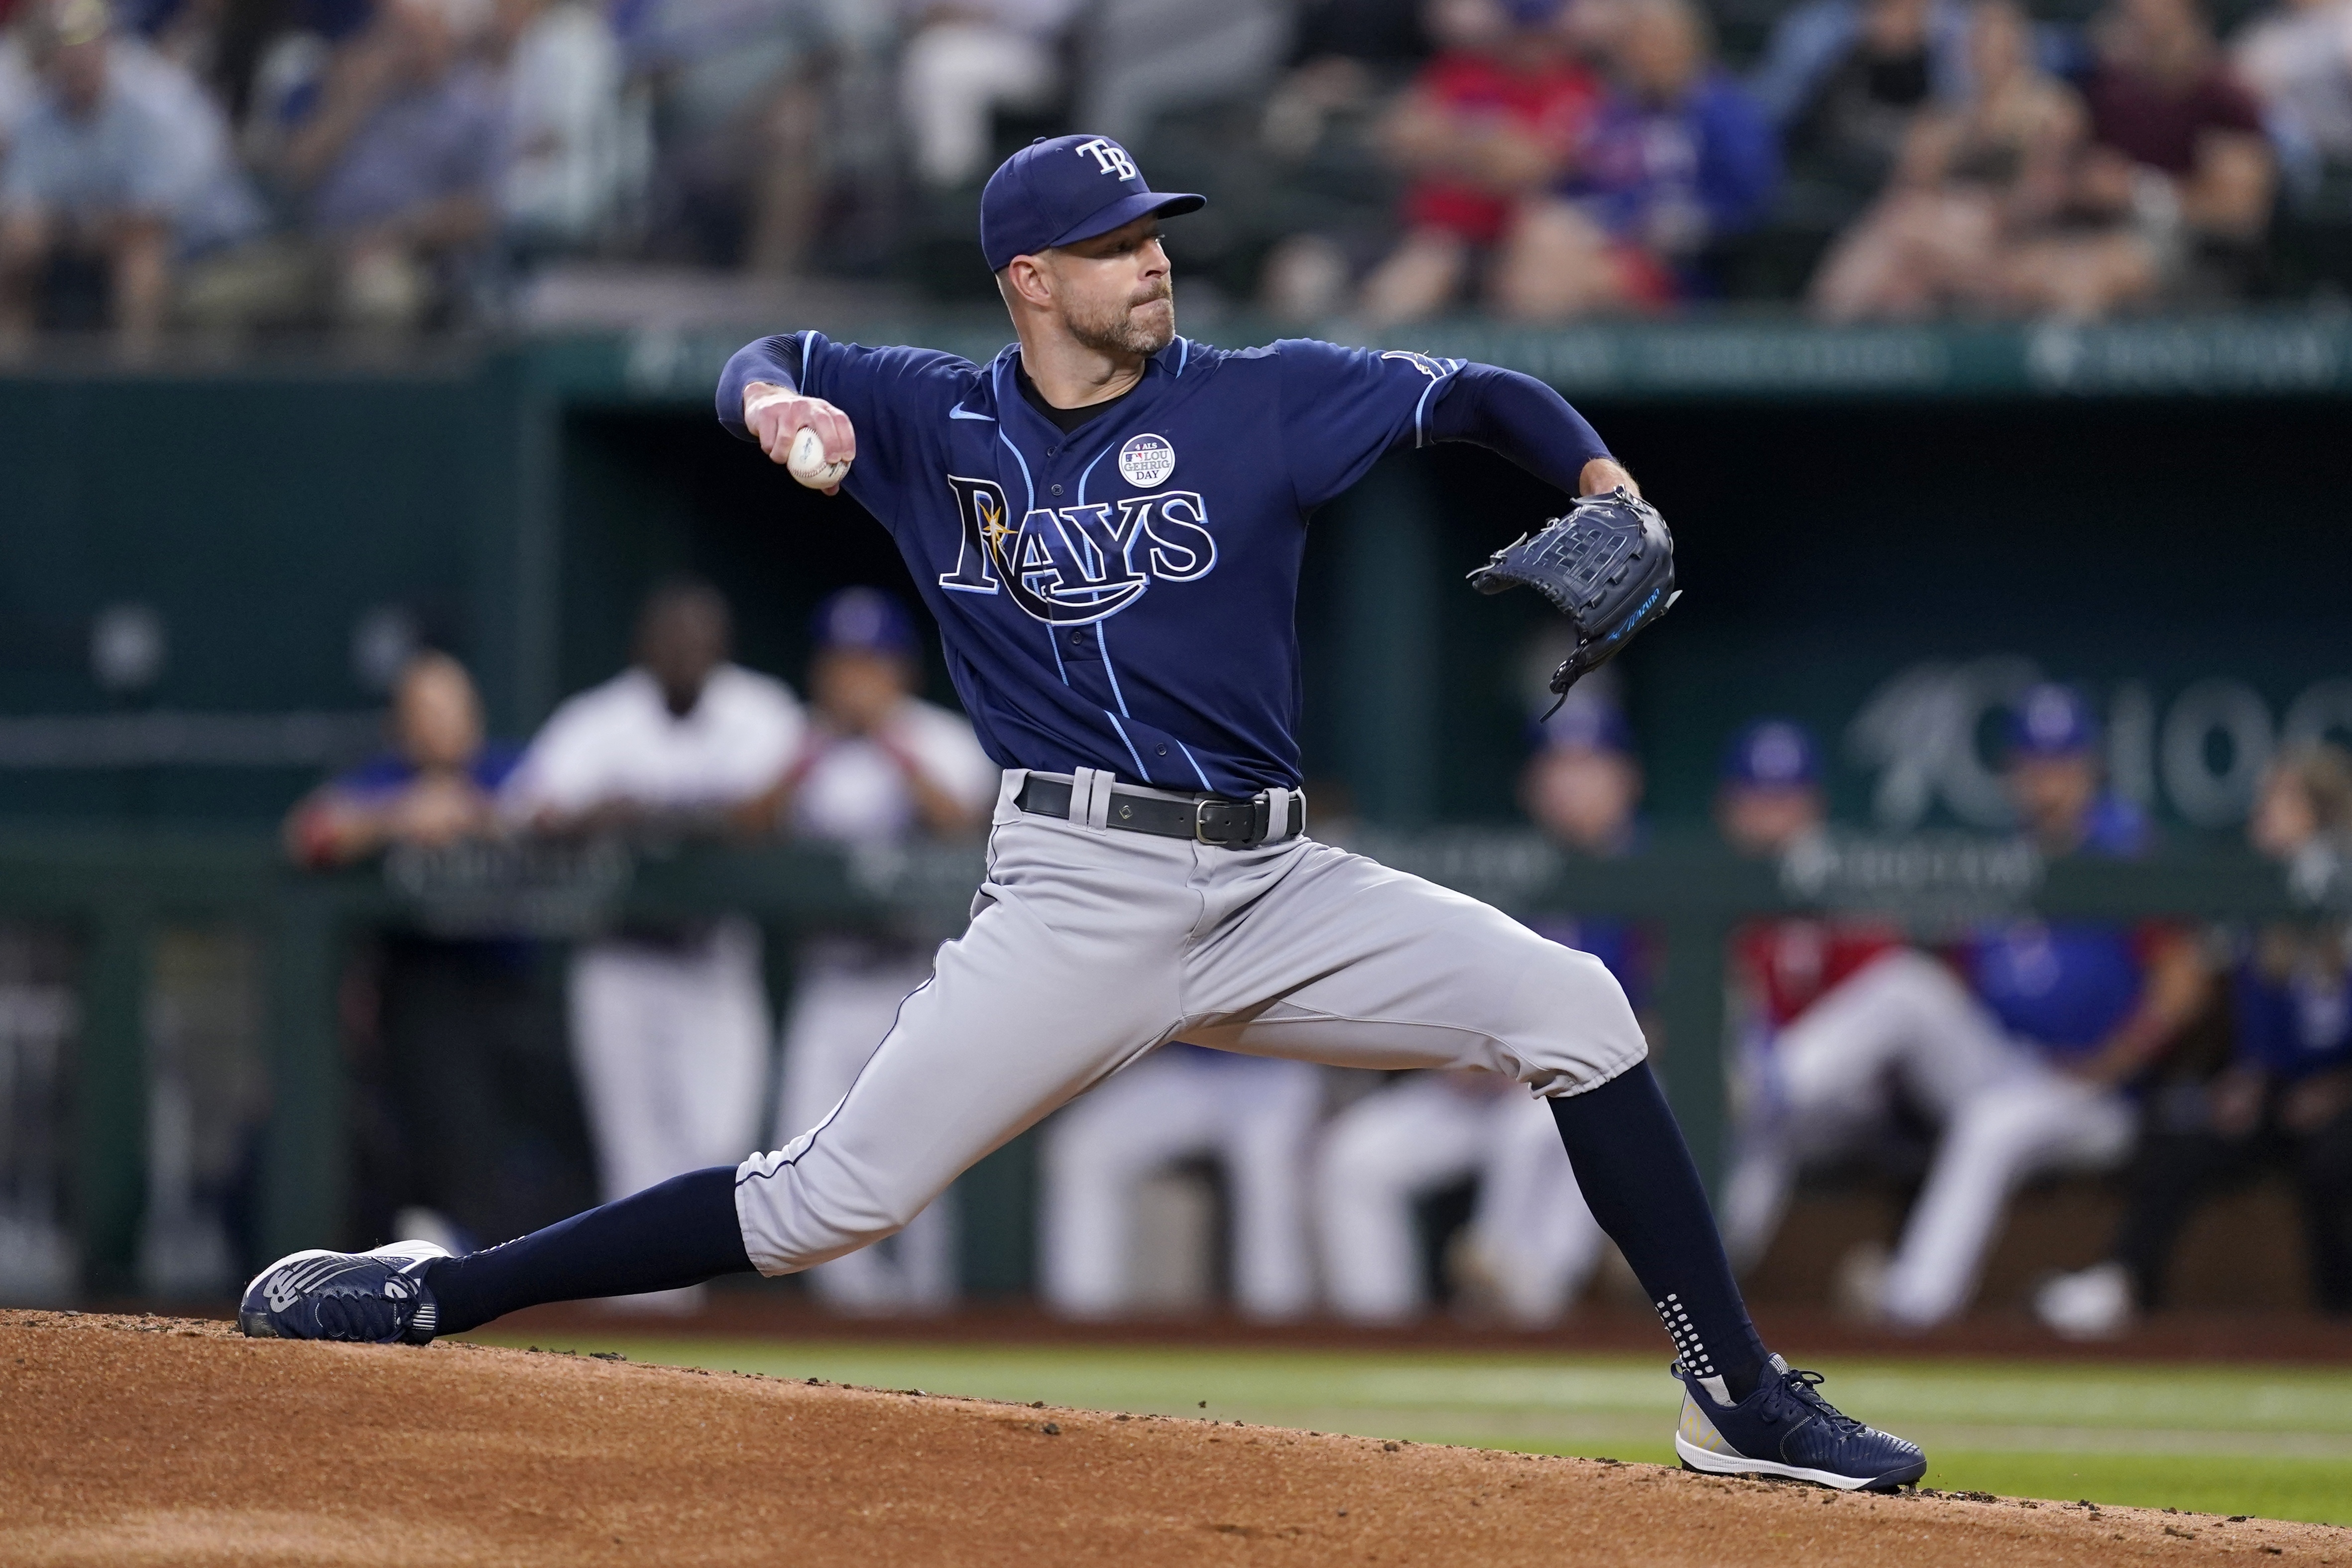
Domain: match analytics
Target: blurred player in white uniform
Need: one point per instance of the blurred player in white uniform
(2022, 1051)
(1531, 1244)
(670, 1025)
(1255, 1115)
(879, 766)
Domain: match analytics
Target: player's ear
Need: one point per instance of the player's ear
(1029, 278)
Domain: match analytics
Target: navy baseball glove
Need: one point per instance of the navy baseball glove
(1608, 565)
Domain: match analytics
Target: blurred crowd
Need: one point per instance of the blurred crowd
(1958, 1064)
(256, 164)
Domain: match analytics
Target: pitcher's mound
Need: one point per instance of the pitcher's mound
(158, 1440)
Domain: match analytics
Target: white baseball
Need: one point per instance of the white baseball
(808, 462)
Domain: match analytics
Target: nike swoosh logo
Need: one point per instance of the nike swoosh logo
(960, 414)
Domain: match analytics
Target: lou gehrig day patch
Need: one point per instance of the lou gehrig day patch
(1146, 461)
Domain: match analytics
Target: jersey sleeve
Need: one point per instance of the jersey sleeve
(1343, 409)
(1518, 417)
(895, 397)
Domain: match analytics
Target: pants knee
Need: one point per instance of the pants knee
(1574, 1028)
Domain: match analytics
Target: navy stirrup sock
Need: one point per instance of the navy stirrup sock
(681, 1232)
(1637, 1177)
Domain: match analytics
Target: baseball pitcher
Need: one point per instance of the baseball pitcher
(1106, 520)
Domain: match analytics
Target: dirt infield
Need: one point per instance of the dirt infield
(139, 1440)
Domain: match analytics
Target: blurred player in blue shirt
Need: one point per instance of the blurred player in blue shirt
(2021, 1058)
(436, 783)
(2284, 1100)
(471, 1043)
(1531, 1243)
(2056, 784)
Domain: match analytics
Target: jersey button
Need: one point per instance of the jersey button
(1164, 750)
(1057, 489)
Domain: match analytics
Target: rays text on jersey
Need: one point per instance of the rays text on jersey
(1074, 565)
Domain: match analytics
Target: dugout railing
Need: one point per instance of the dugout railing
(114, 892)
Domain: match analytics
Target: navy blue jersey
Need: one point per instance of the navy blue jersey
(1121, 597)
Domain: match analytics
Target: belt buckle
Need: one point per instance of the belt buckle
(1250, 836)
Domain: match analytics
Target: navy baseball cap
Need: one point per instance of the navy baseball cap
(2052, 721)
(1773, 753)
(864, 620)
(1062, 190)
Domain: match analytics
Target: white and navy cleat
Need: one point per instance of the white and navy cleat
(1785, 1428)
(368, 1298)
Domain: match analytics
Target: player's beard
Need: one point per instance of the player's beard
(1142, 327)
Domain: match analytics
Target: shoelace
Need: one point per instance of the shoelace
(1800, 1389)
(1796, 1388)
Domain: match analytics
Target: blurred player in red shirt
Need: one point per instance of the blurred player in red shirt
(1494, 120)
(1770, 804)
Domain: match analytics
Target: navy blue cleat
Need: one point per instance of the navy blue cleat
(1786, 1428)
(376, 1298)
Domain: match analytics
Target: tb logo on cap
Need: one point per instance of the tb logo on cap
(1109, 156)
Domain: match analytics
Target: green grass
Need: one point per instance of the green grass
(2273, 1441)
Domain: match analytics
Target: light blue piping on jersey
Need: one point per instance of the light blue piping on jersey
(1183, 355)
(1102, 643)
(1196, 767)
(996, 388)
(1143, 773)
(1085, 473)
(1027, 483)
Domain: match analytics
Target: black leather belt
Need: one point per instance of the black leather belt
(1206, 818)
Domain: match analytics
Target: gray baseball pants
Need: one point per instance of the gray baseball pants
(1090, 947)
